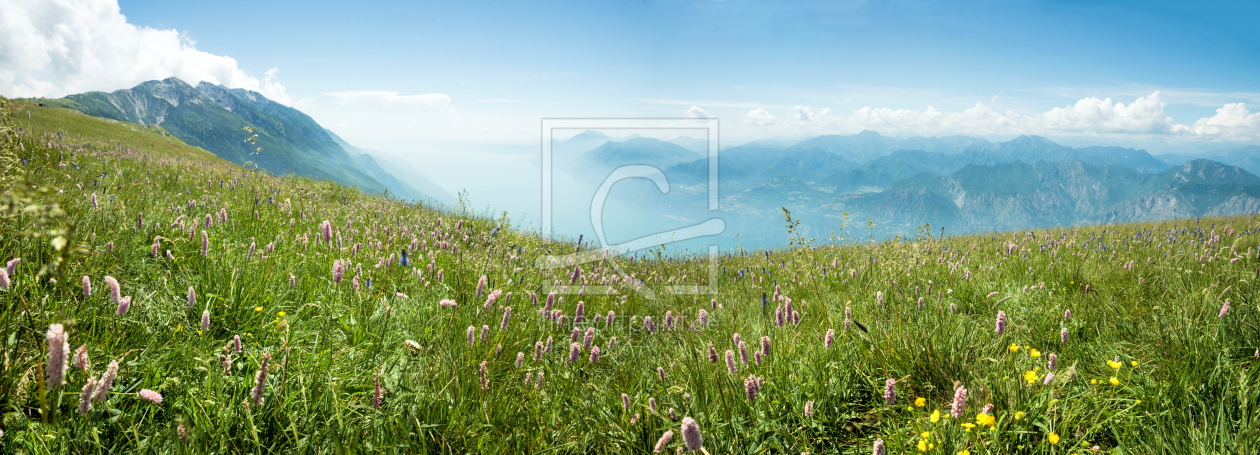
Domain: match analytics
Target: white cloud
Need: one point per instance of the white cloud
(1232, 123)
(696, 112)
(368, 98)
(57, 48)
(1144, 117)
(979, 119)
(806, 114)
(275, 91)
(760, 117)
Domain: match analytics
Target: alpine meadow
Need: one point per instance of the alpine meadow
(158, 299)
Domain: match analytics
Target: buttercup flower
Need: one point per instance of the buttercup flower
(1031, 376)
(985, 419)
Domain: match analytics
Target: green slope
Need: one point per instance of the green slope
(154, 139)
(1138, 318)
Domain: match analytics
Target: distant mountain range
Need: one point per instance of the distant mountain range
(966, 184)
(869, 160)
(1020, 195)
(213, 117)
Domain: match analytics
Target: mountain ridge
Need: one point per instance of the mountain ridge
(213, 117)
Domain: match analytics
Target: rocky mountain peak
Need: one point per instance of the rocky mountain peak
(172, 90)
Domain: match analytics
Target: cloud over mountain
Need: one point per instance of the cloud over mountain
(1144, 116)
(760, 117)
(1232, 122)
(51, 49)
(696, 112)
(1090, 116)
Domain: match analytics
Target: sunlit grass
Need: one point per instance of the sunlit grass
(1150, 365)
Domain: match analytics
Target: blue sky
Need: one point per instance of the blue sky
(390, 74)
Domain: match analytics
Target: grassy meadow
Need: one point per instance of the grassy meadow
(265, 314)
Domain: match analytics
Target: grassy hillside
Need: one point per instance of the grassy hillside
(877, 337)
(106, 132)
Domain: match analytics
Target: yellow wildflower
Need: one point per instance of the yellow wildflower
(1014, 347)
(968, 426)
(920, 401)
(926, 434)
(985, 419)
(1114, 364)
(1034, 353)
(964, 452)
(1133, 363)
(1019, 415)
(1114, 381)
(258, 309)
(1093, 381)
(282, 313)
(1053, 438)
(1031, 376)
(936, 416)
(923, 445)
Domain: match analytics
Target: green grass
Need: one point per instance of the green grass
(1194, 388)
(151, 139)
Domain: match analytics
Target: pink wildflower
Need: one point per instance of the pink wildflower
(691, 434)
(663, 441)
(960, 403)
(58, 356)
(151, 396)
